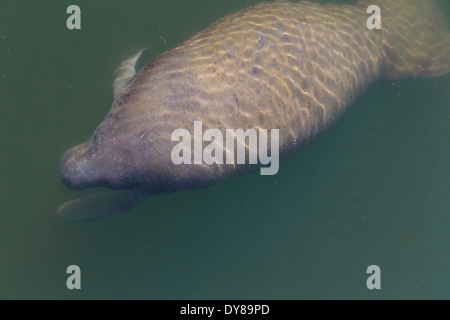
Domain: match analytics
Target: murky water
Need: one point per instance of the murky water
(373, 190)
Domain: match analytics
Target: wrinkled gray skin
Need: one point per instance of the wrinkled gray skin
(295, 67)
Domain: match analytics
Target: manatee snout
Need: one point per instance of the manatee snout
(78, 168)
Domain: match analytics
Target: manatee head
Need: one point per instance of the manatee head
(118, 154)
(105, 160)
(131, 148)
(124, 152)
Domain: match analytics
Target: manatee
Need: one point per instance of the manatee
(295, 67)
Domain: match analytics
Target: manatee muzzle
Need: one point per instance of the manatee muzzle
(78, 168)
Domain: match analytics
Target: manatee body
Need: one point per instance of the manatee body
(290, 66)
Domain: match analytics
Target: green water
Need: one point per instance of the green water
(373, 190)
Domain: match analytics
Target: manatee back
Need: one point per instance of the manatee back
(415, 39)
(288, 66)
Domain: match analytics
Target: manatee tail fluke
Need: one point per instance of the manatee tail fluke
(415, 38)
(100, 205)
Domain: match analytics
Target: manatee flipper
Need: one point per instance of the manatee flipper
(127, 70)
(100, 205)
